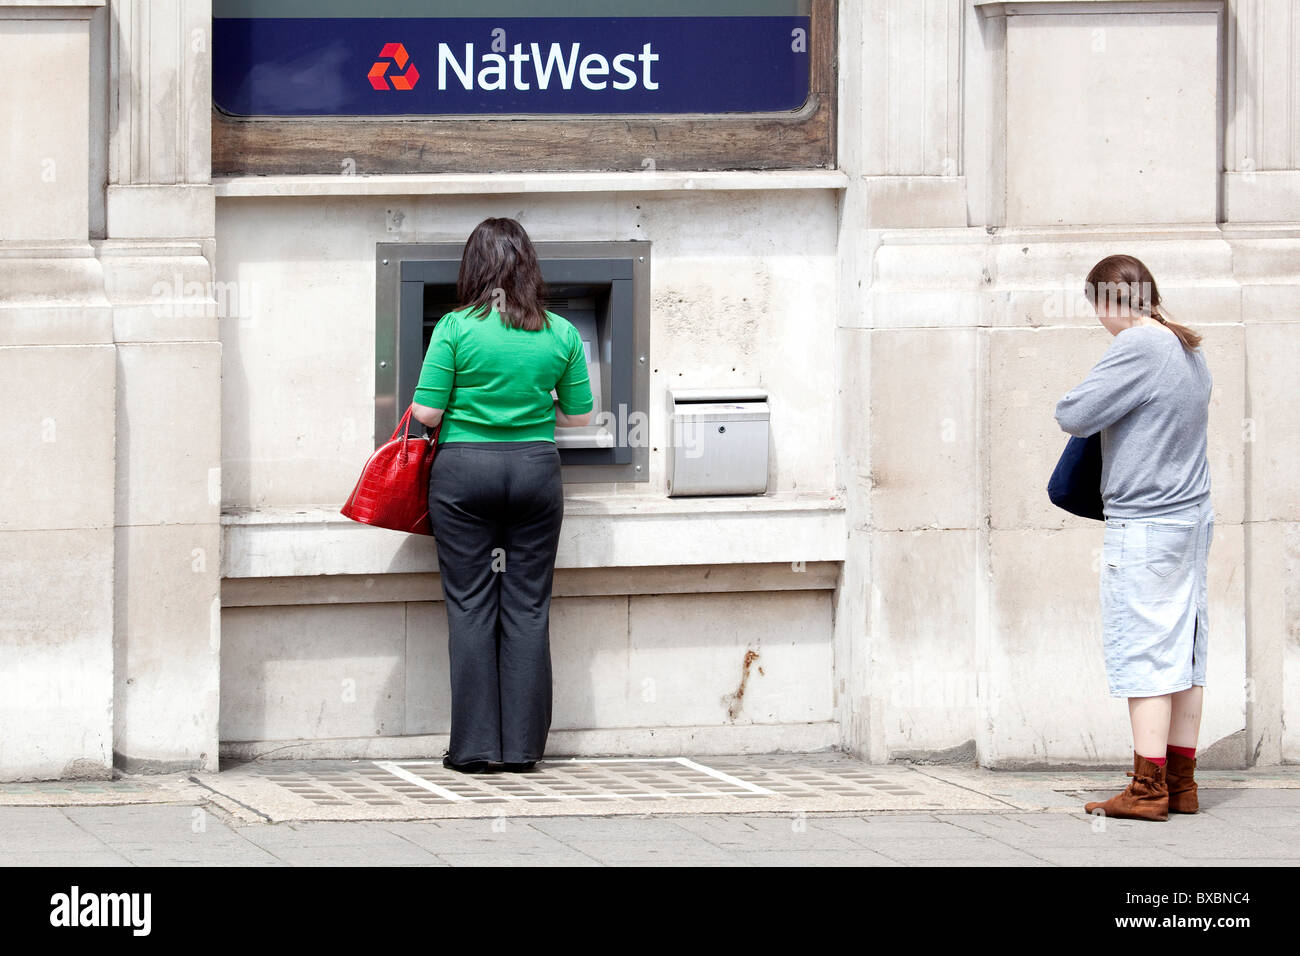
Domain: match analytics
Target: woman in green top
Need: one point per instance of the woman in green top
(495, 495)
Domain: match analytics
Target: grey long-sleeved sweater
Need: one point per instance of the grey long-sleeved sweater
(1149, 397)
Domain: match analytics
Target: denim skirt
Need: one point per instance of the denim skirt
(1154, 601)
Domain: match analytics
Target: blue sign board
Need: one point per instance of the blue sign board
(471, 65)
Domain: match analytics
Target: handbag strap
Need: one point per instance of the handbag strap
(405, 423)
(403, 430)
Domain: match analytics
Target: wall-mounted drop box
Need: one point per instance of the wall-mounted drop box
(719, 441)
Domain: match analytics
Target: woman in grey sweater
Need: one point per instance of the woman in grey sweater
(1149, 397)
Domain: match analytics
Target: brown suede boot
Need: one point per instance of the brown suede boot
(1182, 786)
(1146, 798)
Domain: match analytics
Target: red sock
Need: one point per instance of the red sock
(1188, 752)
(1158, 761)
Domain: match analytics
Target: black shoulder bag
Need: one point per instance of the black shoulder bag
(1075, 484)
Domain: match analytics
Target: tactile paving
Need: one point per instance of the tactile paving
(407, 788)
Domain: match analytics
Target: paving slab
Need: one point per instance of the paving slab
(21, 827)
(1111, 856)
(924, 849)
(626, 851)
(567, 857)
(482, 837)
(358, 854)
(813, 858)
(129, 789)
(924, 827)
(819, 809)
(275, 836)
(964, 862)
(1255, 817)
(615, 828)
(78, 858)
(183, 832)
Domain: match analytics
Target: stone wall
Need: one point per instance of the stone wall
(176, 581)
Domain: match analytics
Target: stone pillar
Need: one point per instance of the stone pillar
(1101, 134)
(157, 260)
(1262, 113)
(1265, 261)
(851, 654)
(907, 381)
(57, 375)
(968, 610)
(1261, 191)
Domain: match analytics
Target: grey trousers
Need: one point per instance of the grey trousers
(496, 509)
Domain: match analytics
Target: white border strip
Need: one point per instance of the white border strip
(751, 787)
(409, 777)
(397, 770)
(638, 797)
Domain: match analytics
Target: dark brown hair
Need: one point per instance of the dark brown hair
(499, 270)
(1125, 281)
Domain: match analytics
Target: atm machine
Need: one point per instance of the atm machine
(579, 304)
(602, 288)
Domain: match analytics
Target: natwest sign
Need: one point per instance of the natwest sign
(467, 65)
(536, 67)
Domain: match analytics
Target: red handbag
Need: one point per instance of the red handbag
(393, 490)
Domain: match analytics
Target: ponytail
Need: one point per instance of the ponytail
(1190, 339)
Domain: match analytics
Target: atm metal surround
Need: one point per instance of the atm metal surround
(602, 287)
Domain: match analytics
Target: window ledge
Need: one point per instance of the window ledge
(599, 532)
(450, 184)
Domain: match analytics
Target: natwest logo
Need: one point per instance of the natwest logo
(393, 53)
(533, 67)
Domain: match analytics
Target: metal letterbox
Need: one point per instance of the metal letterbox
(719, 442)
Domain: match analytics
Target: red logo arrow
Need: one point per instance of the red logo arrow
(390, 54)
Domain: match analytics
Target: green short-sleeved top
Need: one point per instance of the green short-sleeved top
(494, 381)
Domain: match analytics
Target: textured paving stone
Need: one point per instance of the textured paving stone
(403, 790)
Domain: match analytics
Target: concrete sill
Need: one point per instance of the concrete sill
(458, 184)
(617, 531)
(993, 8)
